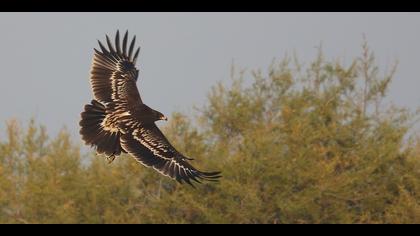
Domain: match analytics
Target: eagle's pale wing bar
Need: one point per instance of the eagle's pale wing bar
(150, 147)
(113, 74)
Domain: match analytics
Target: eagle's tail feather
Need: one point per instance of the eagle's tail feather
(94, 134)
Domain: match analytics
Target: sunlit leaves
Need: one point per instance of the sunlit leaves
(295, 144)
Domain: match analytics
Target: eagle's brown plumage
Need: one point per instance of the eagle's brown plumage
(118, 121)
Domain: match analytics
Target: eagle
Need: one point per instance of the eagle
(117, 121)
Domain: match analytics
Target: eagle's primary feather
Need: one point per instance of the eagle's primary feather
(118, 121)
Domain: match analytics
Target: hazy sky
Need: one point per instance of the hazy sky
(45, 57)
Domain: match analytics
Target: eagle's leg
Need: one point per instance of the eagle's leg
(111, 158)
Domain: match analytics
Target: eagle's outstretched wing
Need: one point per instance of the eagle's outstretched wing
(150, 147)
(114, 75)
(113, 79)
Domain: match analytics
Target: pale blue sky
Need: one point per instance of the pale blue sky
(45, 57)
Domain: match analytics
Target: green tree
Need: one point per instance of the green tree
(297, 144)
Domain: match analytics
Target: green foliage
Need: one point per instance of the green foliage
(300, 144)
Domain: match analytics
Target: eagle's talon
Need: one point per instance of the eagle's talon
(110, 158)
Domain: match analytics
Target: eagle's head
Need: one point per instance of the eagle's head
(160, 116)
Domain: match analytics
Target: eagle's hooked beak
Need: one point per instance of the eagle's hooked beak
(164, 118)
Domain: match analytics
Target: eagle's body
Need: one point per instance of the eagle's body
(118, 121)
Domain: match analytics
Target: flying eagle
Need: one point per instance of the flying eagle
(117, 121)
